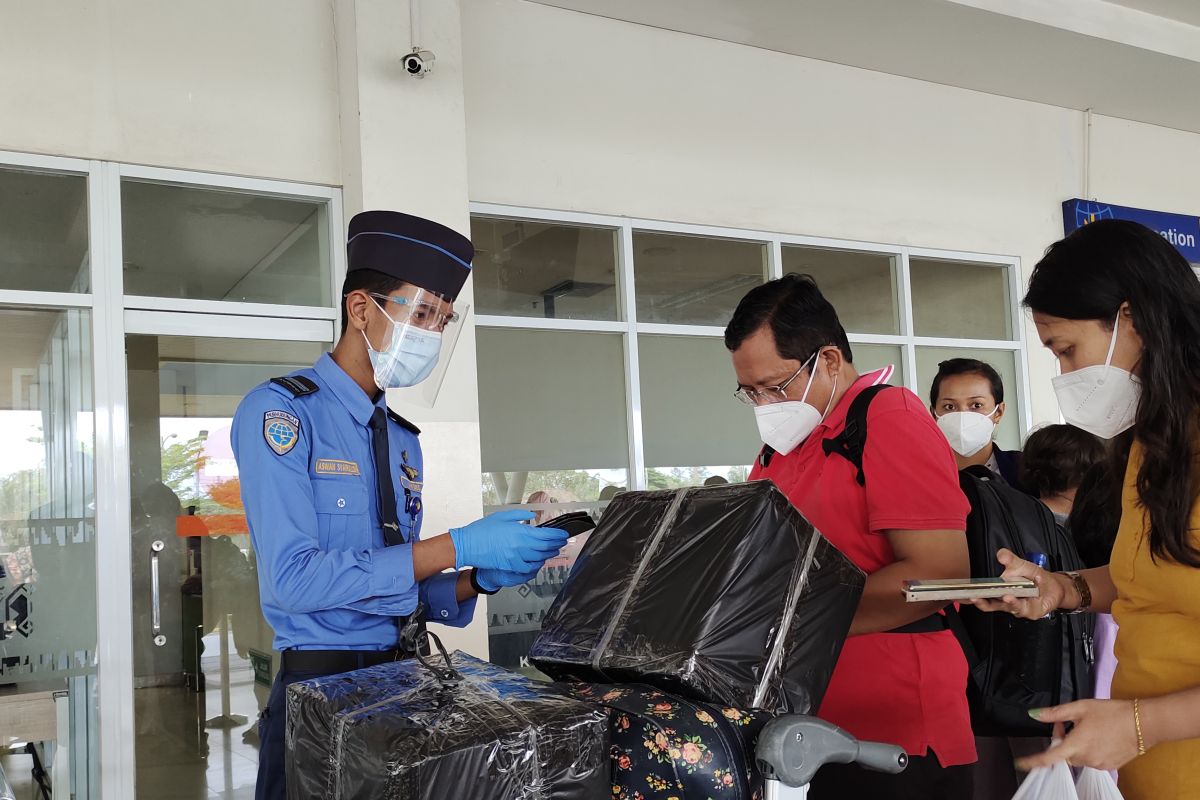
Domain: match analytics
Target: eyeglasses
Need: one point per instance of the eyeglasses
(772, 394)
(421, 314)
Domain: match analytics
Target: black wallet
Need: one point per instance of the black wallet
(574, 523)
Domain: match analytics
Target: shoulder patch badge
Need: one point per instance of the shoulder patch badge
(281, 431)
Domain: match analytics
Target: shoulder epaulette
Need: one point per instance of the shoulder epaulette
(298, 385)
(403, 423)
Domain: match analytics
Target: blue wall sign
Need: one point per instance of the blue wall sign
(1181, 230)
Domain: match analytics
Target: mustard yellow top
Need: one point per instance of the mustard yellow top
(1158, 644)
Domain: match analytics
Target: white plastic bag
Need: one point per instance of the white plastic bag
(1095, 784)
(1048, 783)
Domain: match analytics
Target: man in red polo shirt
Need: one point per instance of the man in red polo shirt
(794, 365)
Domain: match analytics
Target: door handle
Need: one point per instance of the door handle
(160, 639)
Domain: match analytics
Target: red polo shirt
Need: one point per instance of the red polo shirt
(906, 689)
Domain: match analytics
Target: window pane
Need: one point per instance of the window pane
(861, 286)
(206, 244)
(551, 400)
(690, 418)
(43, 232)
(515, 614)
(678, 477)
(870, 357)
(48, 528)
(552, 425)
(961, 300)
(214, 668)
(692, 279)
(547, 270)
(1008, 436)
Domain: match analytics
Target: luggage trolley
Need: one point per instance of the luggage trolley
(792, 748)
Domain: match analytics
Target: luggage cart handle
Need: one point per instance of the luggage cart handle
(791, 749)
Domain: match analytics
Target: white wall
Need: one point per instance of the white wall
(570, 111)
(221, 86)
(302, 90)
(1145, 166)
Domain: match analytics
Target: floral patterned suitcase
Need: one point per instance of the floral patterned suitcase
(667, 748)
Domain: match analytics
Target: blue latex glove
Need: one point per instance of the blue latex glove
(493, 580)
(500, 541)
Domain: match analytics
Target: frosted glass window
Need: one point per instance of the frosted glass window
(208, 244)
(861, 286)
(43, 232)
(551, 400)
(870, 357)
(693, 280)
(543, 269)
(960, 300)
(690, 417)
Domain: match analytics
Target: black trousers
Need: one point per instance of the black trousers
(272, 725)
(924, 779)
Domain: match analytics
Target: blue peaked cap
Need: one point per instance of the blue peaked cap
(412, 249)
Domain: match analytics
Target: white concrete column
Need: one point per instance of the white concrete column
(404, 148)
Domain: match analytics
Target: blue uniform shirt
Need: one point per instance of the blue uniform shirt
(326, 579)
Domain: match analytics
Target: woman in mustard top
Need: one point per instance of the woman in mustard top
(1120, 309)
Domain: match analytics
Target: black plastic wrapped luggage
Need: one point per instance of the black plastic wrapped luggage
(724, 594)
(402, 731)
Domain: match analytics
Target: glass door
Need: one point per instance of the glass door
(202, 656)
(47, 554)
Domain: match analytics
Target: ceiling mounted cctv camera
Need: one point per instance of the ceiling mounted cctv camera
(419, 63)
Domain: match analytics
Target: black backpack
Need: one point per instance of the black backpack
(1018, 664)
(1015, 664)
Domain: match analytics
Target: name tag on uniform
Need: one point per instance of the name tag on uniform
(335, 466)
(412, 486)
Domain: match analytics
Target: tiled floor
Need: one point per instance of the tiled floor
(183, 752)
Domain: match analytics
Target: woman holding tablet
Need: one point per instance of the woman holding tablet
(1119, 308)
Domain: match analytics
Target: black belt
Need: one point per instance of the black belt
(934, 623)
(333, 662)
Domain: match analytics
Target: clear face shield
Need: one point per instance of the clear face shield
(416, 350)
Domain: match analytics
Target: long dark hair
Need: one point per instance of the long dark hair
(1096, 514)
(1089, 275)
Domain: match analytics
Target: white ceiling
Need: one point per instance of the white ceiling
(1134, 59)
(1181, 10)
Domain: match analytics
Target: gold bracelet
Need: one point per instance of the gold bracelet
(1137, 723)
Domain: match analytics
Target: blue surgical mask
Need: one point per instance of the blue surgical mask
(408, 359)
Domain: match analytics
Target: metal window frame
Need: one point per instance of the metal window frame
(774, 241)
(113, 316)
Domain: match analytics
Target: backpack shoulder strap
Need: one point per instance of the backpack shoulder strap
(765, 455)
(849, 444)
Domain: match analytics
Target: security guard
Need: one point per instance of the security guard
(332, 479)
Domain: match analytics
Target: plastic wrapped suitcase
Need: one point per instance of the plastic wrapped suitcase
(725, 594)
(411, 730)
(666, 747)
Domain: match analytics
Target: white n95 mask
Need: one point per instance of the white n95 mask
(968, 432)
(783, 426)
(1102, 400)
